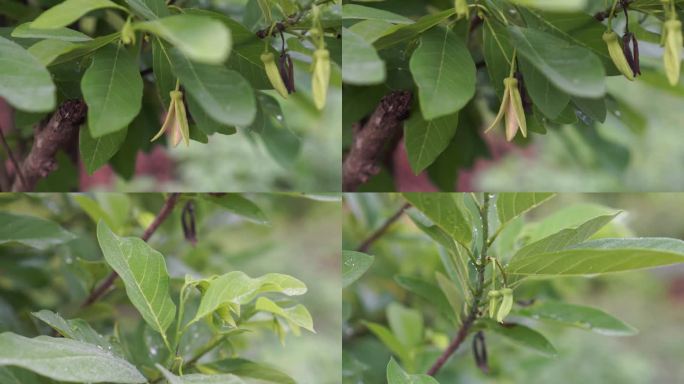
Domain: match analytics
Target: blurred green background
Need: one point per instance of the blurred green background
(302, 239)
(652, 301)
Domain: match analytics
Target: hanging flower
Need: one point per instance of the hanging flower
(512, 110)
(273, 73)
(617, 54)
(506, 304)
(176, 121)
(321, 77)
(673, 41)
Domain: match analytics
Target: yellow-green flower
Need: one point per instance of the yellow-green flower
(176, 121)
(506, 304)
(617, 54)
(273, 73)
(511, 110)
(321, 77)
(462, 10)
(673, 41)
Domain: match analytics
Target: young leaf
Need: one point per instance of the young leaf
(579, 316)
(76, 329)
(198, 378)
(246, 368)
(143, 271)
(32, 231)
(69, 11)
(66, 360)
(354, 265)
(396, 375)
(446, 210)
(235, 203)
(112, 88)
(444, 72)
(362, 65)
(601, 256)
(297, 314)
(201, 39)
(63, 34)
(511, 205)
(224, 94)
(521, 335)
(24, 83)
(96, 152)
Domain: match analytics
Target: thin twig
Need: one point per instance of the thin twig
(381, 231)
(163, 214)
(10, 155)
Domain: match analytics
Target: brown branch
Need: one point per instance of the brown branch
(381, 231)
(371, 138)
(50, 136)
(13, 160)
(163, 214)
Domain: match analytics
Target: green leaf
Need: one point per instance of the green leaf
(85, 48)
(360, 12)
(280, 142)
(32, 231)
(112, 88)
(426, 140)
(246, 368)
(370, 30)
(403, 32)
(601, 256)
(388, 339)
(149, 9)
(25, 82)
(565, 238)
(573, 69)
(511, 205)
(362, 65)
(224, 94)
(198, 378)
(565, 5)
(200, 38)
(96, 152)
(444, 72)
(203, 121)
(46, 51)
(235, 203)
(69, 11)
(446, 210)
(579, 316)
(75, 329)
(547, 97)
(65, 360)
(163, 73)
(429, 292)
(452, 294)
(567, 217)
(25, 31)
(396, 375)
(406, 324)
(521, 335)
(236, 288)
(143, 271)
(354, 265)
(297, 314)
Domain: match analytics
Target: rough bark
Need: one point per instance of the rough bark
(370, 139)
(50, 136)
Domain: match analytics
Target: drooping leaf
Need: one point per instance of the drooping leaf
(354, 265)
(579, 316)
(112, 89)
(65, 360)
(143, 271)
(236, 288)
(198, 378)
(521, 335)
(362, 65)
(69, 11)
(24, 83)
(199, 38)
(396, 375)
(573, 69)
(511, 205)
(235, 203)
(224, 94)
(247, 368)
(96, 152)
(601, 256)
(446, 210)
(297, 314)
(444, 72)
(32, 231)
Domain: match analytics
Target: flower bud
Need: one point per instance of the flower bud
(273, 73)
(321, 77)
(673, 42)
(506, 304)
(493, 299)
(176, 121)
(617, 54)
(128, 33)
(512, 110)
(462, 10)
